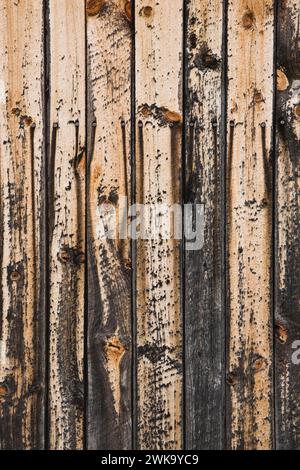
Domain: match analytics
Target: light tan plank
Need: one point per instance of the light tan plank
(21, 222)
(67, 222)
(249, 197)
(159, 329)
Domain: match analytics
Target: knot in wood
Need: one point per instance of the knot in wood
(231, 378)
(297, 111)
(147, 11)
(258, 97)
(282, 80)
(15, 276)
(93, 7)
(114, 348)
(3, 390)
(281, 332)
(172, 116)
(248, 19)
(127, 9)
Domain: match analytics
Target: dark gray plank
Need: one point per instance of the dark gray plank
(203, 276)
(287, 249)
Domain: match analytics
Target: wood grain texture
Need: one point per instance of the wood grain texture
(109, 259)
(158, 59)
(109, 343)
(249, 211)
(287, 250)
(204, 313)
(66, 222)
(21, 225)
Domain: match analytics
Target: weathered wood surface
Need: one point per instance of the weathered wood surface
(21, 225)
(249, 232)
(287, 250)
(109, 264)
(158, 67)
(66, 220)
(111, 344)
(204, 306)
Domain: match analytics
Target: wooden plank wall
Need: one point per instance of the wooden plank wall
(107, 342)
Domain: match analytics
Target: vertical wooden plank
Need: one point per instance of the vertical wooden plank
(249, 197)
(66, 222)
(109, 264)
(204, 317)
(287, 251)
(159, 326)
(21, 229)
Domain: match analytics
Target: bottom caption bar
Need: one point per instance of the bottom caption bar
(137, 459)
